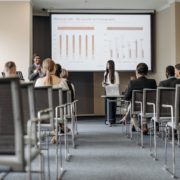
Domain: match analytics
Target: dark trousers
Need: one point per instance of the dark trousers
(112, 110)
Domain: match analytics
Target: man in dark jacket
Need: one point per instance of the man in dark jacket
(139, 84)
(35, 69)
(177, 74)
(170, 72)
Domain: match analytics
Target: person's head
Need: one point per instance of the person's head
(64, 74)
(36, 59)
(10, 69)
(141, 69)
(48, 67)
(58, 69)
(170, 71)
(110, 66)
(177, 70)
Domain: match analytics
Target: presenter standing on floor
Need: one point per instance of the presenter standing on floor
(111, 77)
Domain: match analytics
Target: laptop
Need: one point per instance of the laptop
(112, 90)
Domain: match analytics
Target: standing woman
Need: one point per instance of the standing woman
(111, 77)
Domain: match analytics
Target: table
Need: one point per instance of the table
(107, 103)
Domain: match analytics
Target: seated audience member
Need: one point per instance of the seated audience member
(10, 69)
(170, 72)
(35, 69)
(138, 84)
(58, 70)
(64, 75)
(50, 79)
(177, 75)
(127, 115)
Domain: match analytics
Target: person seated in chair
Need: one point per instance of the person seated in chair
(139, 84)
(10, 69)
(177, 75)
(170, 75)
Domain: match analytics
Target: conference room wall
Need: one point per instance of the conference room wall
(167, 51)
(167, 39)
(16, 34)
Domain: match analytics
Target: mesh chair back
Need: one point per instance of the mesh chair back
(57, 98)
(18, 73)
(43, 100)
(137, 95)
(149, 95)
(11, 123)
(164, 96)
(177, 106)
(66, 96)
(27, 90)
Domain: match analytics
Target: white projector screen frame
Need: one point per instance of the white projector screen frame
(85, 42)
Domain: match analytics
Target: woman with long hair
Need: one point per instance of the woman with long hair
(111, 77)
(50, 79)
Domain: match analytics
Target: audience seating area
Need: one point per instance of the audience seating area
(160, 109)
(30, 117)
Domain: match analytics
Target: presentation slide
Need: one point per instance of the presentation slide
(85, 42)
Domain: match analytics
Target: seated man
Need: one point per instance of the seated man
(139, 84)
(177, 75)
(170, 72)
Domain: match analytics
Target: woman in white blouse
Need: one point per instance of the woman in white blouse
(50, 79)
(111, 77)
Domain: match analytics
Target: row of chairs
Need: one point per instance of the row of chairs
(29, 115)
(162, 107)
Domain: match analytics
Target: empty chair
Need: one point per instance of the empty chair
(163, 115)
(13, 153)
(174, 124)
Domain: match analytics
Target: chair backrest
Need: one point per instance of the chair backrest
(165, 95)
(177, 106)
(66, 96)
(149, 95)
(43, 100)
(57, 98)
(19, 74)
(137, 95)
(11, 124)
(27, 90)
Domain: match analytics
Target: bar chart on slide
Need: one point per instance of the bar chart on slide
(87, 42)
(77, 45)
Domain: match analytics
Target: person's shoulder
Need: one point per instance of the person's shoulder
(39, 82)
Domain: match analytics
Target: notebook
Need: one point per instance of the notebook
(112, 90)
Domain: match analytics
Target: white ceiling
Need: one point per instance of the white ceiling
(38, 5)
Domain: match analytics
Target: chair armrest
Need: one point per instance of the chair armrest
(172, 116)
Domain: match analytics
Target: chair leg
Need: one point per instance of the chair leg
(155, 142)
(165, 157)
(48, 155)
(67, 155)
(173, 155)
(142, 136)
(41, 165)
(150, 138)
